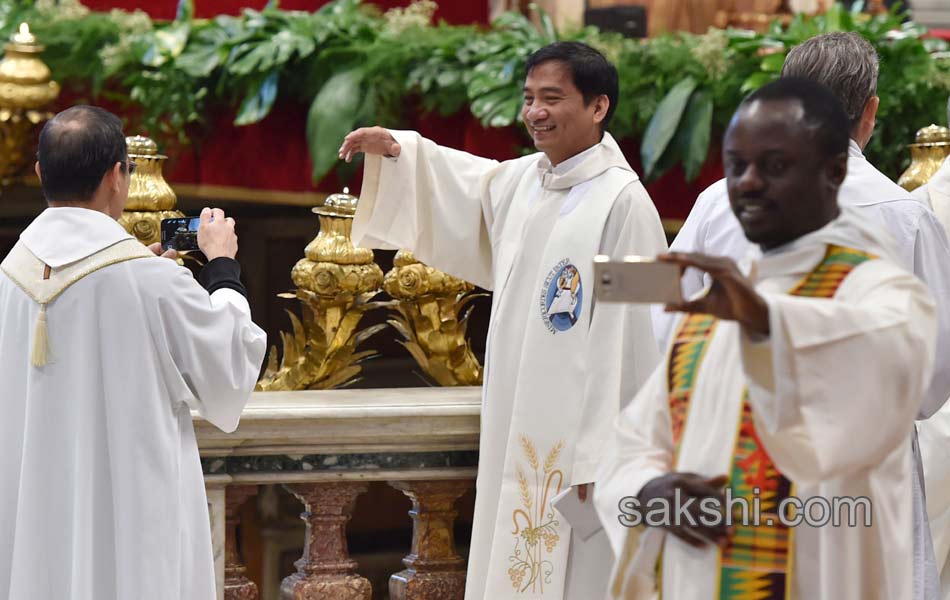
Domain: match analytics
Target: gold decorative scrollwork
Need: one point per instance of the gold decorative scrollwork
(336, 286)
(433, 309)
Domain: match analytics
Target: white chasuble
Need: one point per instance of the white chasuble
(559, 366)
(101, 490)
(831, 397)
(934, 432)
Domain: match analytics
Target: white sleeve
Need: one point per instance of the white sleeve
(211, 350)
(638, 450)
(690, 238)
(433, 201)
(621, 351)
(932, 265)
(865, 358)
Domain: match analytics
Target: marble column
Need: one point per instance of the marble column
(326, 571)
(434, 570)
(236, 585)
(216, 514)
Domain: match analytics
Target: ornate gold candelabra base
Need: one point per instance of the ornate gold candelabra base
(146, 225)
(19, 130)
(151, 199)
(433, 312)
(335, 285)
(321, 351)
(931, 148)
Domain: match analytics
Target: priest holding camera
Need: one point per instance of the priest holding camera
(105, 349)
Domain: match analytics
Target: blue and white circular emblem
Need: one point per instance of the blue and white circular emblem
(562, 297)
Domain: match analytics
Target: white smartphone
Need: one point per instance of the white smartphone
(637, 279)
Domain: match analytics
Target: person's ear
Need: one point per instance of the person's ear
(115, 177)
(863, 131)
(36, 169)
(601, 106)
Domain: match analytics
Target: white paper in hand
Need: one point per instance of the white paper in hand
(581, 516)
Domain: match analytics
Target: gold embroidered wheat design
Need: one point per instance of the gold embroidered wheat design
(536, 528)
(551, 460)
(530, 452)
(525, 489)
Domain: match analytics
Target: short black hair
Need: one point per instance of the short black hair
(591, 71)
(76, 149)
(824, 114)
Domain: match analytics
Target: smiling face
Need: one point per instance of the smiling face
(555, 114)
(781, 184)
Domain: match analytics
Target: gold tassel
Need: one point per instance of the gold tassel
(40, 339)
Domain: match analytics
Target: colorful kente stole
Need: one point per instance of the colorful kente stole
(757, 562)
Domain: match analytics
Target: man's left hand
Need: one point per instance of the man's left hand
(156, 249)
(731, 297)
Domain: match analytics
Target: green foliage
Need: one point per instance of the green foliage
(353, 66)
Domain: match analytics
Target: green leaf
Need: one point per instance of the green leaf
(166, 44)
(200, 61)
(257, 105)
(260, 57)
(547, 24)
(755, 81)
(694, 133)
(185, 10)
(664, 123)
(773, 63)
(333, 114)
(835, 18)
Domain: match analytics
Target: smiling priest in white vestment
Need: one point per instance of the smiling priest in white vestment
(558, 366)
(105, 348)
(797, 377)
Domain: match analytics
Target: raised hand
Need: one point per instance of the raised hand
(216, 237)
(369, 140)
(731, 297)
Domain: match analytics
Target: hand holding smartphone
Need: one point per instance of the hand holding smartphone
(180, 233)
(637, 279)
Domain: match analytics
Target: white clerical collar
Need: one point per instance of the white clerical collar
(565, 166)
(62, 235)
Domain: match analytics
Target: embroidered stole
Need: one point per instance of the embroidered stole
(530, 542)
(43, 284)
(757, 563)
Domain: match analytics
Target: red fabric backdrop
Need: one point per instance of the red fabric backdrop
(453, 11)
(272, 155)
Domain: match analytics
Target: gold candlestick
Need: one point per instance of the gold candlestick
(335, 285)
(26, 89)
(927, 154)
(151, 199)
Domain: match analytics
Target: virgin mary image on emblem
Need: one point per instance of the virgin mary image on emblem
(564, 298)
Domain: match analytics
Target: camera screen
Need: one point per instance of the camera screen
(180, 233)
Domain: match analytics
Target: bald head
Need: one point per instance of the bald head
(77, 148)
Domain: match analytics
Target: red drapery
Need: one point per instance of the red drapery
(452, 11)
